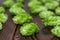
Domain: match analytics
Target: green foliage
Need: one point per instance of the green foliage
(34, 3)
(56, 31)
(45, 1)
(29, 29)
(2, 10)
(51, 21)
(36, 6)
(20, 1)
(17, 5)
(3, 18)
(8, 3)
(16, 11)
(38, 9)
(52, 5)
(57, 11)
(46, 14)
(22, 18)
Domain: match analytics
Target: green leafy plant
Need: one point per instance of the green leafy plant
(3, 18)
(56, 31)
(52, 5)
(16, 11)
(57, 11)
(29, 29)
(2, 10)
(46, 14)
(8, 3)
(22, 18)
